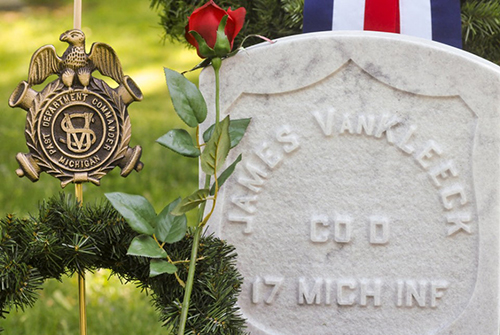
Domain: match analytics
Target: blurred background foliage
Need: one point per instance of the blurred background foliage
(136, 32)
(481, 28)
(112, 308)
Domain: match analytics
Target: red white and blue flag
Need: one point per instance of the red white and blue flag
(438, 20)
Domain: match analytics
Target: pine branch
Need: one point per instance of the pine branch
(45, 246)
(480, 19)
(481, 28)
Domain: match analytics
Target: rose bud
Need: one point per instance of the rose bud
(209, 32)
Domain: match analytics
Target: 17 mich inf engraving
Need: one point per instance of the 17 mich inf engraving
(77, 128)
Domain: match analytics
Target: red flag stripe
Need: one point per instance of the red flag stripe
(382, 15)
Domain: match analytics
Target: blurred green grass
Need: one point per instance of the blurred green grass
(131, 28)
(112, 308)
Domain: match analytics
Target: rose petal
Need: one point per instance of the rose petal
(238, 19)
(229, 30)
(205, 21)
(190, 37)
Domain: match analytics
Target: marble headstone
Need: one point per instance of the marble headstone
(367, 200)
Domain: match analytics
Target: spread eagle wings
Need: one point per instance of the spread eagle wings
(106, 61)
(44, 62)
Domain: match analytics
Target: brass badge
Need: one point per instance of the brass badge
(77, 127)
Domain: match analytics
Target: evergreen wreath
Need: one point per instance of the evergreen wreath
(65, 239)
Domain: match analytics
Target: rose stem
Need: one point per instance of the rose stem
(216, 63)
(192, 266)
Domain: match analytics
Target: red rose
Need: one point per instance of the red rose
(205, 21)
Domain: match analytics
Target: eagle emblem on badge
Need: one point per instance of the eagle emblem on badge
(77, 127)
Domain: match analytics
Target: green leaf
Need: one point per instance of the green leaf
(136, 209)
(170, 228)
(145, 246)
(203, 64)
(191, 202)
(179, 141)
(226, 174)
(160, 266)
(216, 149)
(186, 98)
(203, 47)
(237, 129)
(222, 46)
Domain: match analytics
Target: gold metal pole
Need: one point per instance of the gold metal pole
(77, 14)
(79, 193)
(77, 24)
(83, 308)
(81, 277)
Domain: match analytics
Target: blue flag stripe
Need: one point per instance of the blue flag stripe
(446, 22)
(318, 15)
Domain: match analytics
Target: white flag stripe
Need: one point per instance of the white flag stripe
(348, 14)
(416, 18)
